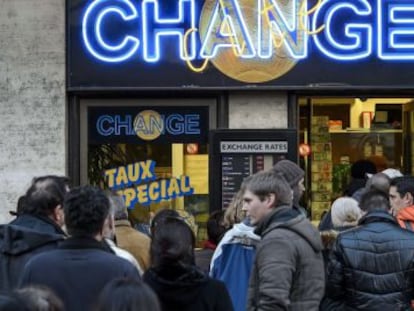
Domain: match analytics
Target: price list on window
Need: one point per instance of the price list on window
(233, 170)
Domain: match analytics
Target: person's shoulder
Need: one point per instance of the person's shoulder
(43, 259)
(129, 231)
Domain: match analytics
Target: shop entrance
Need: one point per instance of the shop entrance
(342, 131)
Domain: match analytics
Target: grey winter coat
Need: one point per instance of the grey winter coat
(288, 272)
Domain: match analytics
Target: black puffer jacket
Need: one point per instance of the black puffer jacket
(24, 237)
(371, 267)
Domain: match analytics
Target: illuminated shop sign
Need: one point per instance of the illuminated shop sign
(137, 183)
(134, 124)
(227, 28)
(249, 41)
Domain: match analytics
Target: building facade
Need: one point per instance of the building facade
(82, 82)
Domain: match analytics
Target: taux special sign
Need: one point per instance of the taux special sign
(237, 43)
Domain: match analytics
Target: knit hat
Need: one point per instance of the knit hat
(345, 212)
(290, 170)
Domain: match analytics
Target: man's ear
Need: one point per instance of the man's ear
(271, 200)
(57, 214)
(408, 198)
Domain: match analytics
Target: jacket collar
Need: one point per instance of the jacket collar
(377, 216)
(83, 243)
(38, 222)
(282, 215)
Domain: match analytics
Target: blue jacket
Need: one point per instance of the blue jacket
(20, 240)
(77, 271)
(233, 260)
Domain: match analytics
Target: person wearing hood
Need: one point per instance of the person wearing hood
(288, 271)
(402, 201)
(233, 258)
(371, 267)
(36, 228)
(178, 283)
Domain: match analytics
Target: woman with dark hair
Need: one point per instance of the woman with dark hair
(179, 284)
(127, 295)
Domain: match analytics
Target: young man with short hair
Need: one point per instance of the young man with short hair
(402, 201)
(288, 272)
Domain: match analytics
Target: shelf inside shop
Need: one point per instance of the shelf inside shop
(364, 131)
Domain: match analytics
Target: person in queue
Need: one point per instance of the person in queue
(371, 265)
(288, 272)
(295, 177)
(178, 282)
(81, 266)
(128, 238)
(36, 228)
(401, 196)
(233, 258)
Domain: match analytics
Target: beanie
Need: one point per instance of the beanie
(345, 212)
(362, 167)
(290, 170)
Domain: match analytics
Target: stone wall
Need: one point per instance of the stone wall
(32, 95)
(253, 110)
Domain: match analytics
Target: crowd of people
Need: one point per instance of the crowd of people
(75, 249)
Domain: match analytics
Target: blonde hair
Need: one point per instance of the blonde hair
(234, 213)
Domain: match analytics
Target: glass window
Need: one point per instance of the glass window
(342, 131)
(156, 156)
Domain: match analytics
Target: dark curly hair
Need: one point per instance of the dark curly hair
(44, 194)
(85, 208)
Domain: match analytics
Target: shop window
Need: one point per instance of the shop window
(341, 131)
(155, 156)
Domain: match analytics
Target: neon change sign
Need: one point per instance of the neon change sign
(252, 30)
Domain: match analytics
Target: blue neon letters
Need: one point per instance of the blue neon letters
(173, 124)
(354, 29)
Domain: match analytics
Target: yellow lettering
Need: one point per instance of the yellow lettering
(142, 194)
(147, 170)
(130, 196)
(133, 172)
(185, 185)
(173, 188)
(110, 174)
(121, 177)
(153, 191)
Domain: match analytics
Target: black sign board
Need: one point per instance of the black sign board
(236, 154)
(222, 44)
(134, 125)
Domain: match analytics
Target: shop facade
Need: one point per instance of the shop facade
(177, 72)
(148, 83)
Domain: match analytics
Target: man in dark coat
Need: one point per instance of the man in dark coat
(288, 272)
(37, 227)
(81, 266)
(371, 266)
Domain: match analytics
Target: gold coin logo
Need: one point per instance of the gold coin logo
(250, 70)
(148, 124)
